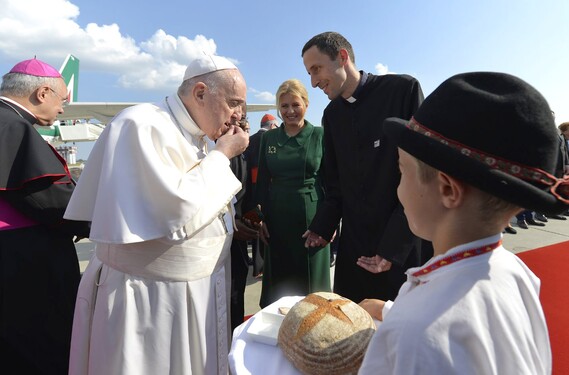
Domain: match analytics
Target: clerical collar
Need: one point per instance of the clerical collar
(363, 79)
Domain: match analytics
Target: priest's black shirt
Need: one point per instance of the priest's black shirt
(362, 176)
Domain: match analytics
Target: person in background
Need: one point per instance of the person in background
(289, 190)
(474, 307)
(541, 217)
(39, 272)
(154, 298)
(245, 232)
(526, 217)
(562, 167)
(361, 170)
(564, 145)
(564, 130)
(510, 229)
(268, 122)
(560, 170)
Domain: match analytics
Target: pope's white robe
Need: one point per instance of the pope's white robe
(154, 298)
(479, 315)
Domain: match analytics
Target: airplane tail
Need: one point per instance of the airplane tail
(70, 73)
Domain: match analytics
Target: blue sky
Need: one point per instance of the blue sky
(137, 50)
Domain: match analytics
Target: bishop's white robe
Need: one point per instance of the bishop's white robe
(154, 298)
(479, 315)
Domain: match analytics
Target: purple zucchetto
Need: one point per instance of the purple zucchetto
(35, 67)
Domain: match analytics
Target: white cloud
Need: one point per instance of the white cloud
(382, 69)
(156, 63)
(263, 96)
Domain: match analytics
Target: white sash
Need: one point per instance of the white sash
(190, 260)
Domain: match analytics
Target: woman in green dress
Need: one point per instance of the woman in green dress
(289, 189)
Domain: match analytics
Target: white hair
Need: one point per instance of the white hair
(21, 85)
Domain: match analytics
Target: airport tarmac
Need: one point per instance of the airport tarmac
(553, 232)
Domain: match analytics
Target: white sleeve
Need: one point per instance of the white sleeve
(386, 308)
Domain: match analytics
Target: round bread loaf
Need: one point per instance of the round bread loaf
(326, 334)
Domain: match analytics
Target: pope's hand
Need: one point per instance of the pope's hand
(233, 143)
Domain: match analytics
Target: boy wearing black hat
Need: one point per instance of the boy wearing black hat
(474, 307)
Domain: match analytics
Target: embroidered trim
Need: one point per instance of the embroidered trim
(453, 258)
(559, 186)
(64, 163)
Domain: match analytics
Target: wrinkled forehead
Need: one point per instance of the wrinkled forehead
(234, 78)
(232, 85)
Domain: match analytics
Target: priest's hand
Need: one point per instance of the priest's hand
(313, 239)
(232, 143)
(375, 264)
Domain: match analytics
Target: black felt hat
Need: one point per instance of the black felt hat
(493, 131)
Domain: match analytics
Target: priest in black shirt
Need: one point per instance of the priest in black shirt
(361, 171)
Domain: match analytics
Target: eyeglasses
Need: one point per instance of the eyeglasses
(64, 101)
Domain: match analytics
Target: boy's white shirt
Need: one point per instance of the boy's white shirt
(388, 304)
(477, 315)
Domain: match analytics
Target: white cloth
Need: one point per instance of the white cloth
(154, 297)
(144, 180)
(248, 356)
(479, 315)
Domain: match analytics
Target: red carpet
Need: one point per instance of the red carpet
(550, 264)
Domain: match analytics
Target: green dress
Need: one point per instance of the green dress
(289, 190)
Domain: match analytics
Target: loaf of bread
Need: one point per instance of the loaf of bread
(326, 334)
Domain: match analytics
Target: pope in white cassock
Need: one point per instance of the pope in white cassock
(159, 191)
